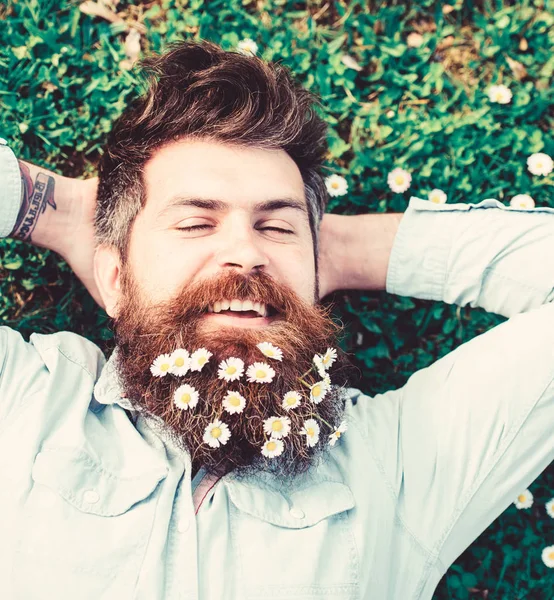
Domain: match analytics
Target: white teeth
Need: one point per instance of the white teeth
(236, 305)
(239, 306)
(210, 309)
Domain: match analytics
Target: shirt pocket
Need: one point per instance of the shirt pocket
(295, 545)
(84, 529)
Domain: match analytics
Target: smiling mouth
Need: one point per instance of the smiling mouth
(242, 309)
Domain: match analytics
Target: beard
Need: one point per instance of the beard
(144, 331)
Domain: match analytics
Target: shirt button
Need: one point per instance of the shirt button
(183, 525)
(297, 513)
(91, 496)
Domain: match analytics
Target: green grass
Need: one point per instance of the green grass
(424, 109)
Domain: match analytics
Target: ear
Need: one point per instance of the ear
(107, 274)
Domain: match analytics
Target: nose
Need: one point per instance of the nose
(242, 251)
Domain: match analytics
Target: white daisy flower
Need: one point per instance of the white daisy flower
(334, 437)
(273, 447)
(550, 508)
(271, 351)
(522, 201)
(161, 366)
(216, 434)
(336, 185)
(437, 196)
(524, 500)
(318, 362)
(318, 391)
(311, 431)
(399, 180)
(291, 400)
(329, 358)
(277, 427)
(231, 369)
(547, 556)
(180, 362)
(199, 358)
(414, 39)
(248, 47)
(234, 403)
(185, 397)
(500, 94)
(260, 372)
(540, 163)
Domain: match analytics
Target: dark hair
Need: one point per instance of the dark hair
(197, 90)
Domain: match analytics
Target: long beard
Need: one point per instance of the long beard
(144, 331)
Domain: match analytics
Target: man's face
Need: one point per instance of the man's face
(212, 208)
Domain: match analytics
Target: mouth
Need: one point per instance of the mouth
(241, 313)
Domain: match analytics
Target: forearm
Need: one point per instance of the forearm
(355, 250)
(50, 207)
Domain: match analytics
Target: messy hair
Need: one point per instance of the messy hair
(196, 90)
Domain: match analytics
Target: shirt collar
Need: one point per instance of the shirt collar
(108, 388)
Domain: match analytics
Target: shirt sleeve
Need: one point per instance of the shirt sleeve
(10, 189)
(465, 436)
(486, 255)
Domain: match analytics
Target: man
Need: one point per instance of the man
(162, 473)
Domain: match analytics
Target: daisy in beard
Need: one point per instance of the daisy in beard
(161, 365)
(216, 434)
(199, 359)
(260, 372)
(320, 367)
(329, 358)
(234, 403)
(231, 369)
(291, 400)
(335, 436)
(180, 362)
(185, 397)
(270, 351)
(318, 391)
(277, 427)
(273, 447)
(311, 431)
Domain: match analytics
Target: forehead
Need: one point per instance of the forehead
(238, 175)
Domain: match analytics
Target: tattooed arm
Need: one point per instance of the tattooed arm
(57, 213)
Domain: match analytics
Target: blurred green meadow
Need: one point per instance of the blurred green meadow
(403, 84)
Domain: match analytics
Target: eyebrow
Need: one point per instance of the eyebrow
(220, 205)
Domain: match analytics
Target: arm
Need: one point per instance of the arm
(54, 212)
(355, 251)
(485, 255)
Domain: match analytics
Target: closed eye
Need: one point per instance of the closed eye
(195, 227)
(278, 229)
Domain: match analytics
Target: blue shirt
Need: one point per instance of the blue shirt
(98, 503)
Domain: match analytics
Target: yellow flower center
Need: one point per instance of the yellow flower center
(399, 179)
(291, 400)
(316, 391)
(551, 555)
(230, 370)
(277, 426)
(310, 432)
(326, 359)
(185, 398)
(538, 165)
(499, 96)
(521, 498)
(271, 446)
(201, 360)
(337, 434)
(260, 373)
(180, 361)
(435, 199)
(216, 432)
(234, 401)
(522, 204)
(335, 185)
(269, 352)
(165, 367)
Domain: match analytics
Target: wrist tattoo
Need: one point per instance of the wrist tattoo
(35, 199)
